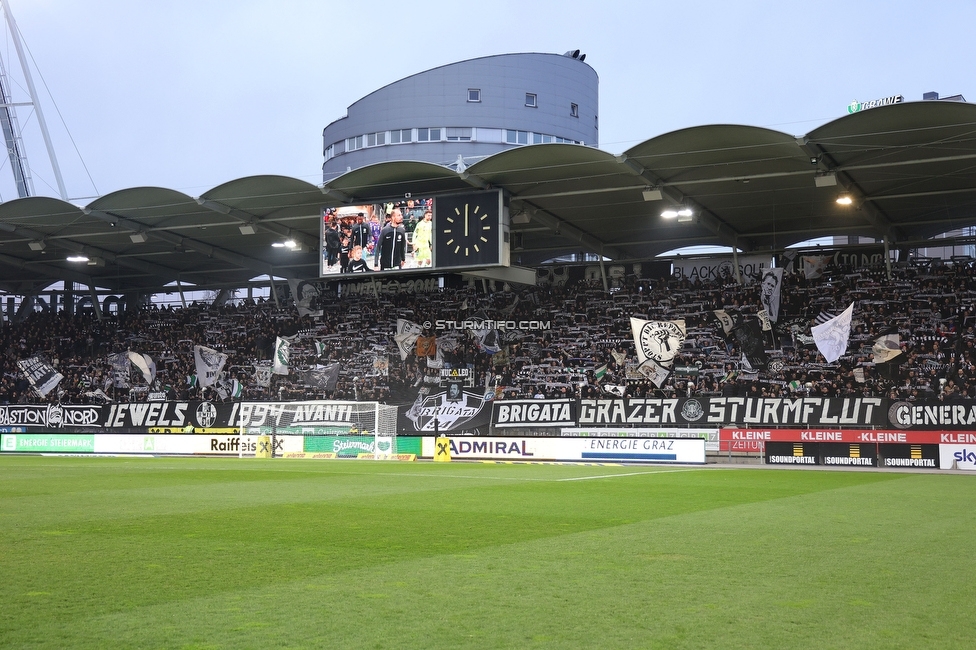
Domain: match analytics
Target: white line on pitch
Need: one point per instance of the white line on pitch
(587, 478)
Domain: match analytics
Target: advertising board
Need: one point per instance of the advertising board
(710, 436)
(958, 457)
(617, 450)
(913, 456)
(47, 442)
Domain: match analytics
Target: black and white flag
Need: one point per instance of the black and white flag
(322, 377)
(769, 294)
(886, 347)
(658, 340)
(42, 376)
(831, 337)
(406, 336)
(209, 363)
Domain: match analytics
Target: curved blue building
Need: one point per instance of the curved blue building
(468, 110)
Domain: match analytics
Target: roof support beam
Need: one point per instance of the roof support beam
(475, 181)
(253, 220)
(337, 195)
(91, 251)
(874, 216)
(46, 270)
(200, 247)
(564, 229)
(725, 233)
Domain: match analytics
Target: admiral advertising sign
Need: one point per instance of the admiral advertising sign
(534, 413)
(614, 450)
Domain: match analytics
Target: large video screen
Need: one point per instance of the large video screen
(413, 235)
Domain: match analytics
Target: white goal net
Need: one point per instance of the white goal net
(318, 429)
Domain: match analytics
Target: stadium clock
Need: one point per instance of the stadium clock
(467, 229)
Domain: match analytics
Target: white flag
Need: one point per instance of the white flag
(145, 365)
(306, 297)
(886, 347)
(209, 363)
(813, 266)
(764, 320)
(653, 371)
(659, 340)
(281, 352)
(262, 376)
(406, 336)
(831, 337)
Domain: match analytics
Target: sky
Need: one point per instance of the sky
(188, 95)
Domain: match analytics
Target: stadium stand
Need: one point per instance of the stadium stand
(585, 349)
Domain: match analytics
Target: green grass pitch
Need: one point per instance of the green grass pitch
(231, 553)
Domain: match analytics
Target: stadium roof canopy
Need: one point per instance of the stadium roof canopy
(910, 169)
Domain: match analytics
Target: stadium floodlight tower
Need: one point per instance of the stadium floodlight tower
(10, 125)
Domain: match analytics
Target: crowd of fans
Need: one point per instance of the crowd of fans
(574, 341)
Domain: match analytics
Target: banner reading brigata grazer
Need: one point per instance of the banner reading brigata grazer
(534, 413)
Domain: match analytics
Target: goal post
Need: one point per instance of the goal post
(326, 428)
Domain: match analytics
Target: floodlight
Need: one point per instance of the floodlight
(825, 180)
(652, 194)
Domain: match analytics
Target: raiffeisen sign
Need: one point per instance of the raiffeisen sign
(856, 106)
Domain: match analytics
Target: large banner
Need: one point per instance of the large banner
(41, 375)
(720, 268)
(312, 418)
(805, 411)
(456, 409)
(450, 410)
(534, 413)
(622, 450)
